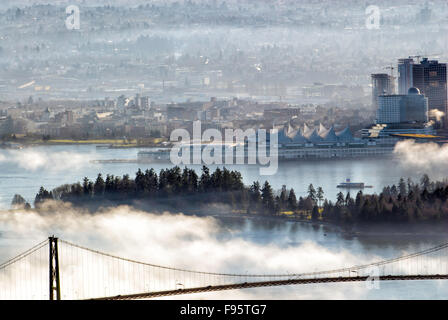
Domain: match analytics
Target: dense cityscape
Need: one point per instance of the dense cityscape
(224, 84)
(223, 149)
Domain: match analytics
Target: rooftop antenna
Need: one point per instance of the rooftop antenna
(391, 70)
(418, 58)
(425, 55)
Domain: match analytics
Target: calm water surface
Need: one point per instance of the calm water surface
(25, 178)
(18, 174)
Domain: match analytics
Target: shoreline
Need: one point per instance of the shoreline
(352, 230)
(104, 143)
(355, 229)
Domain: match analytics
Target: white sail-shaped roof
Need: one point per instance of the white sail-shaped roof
(314, 137)
(290, 130)
(298, 137)
(345, 135)
(306, 130)
(329, 135)
(322, 129)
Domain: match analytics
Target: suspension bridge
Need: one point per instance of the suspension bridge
(57, 269)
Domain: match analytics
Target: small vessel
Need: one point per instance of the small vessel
(154, 155)
(352, 185)
(114, 161)
(164, 154)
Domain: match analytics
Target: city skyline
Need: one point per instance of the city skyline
(208, 150)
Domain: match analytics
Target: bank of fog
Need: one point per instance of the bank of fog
(170, 239)
(429, 158)
(177, 240)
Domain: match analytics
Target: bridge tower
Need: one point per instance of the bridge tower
(55, 289)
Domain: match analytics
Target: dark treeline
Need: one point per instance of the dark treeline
(408, 201)
(405, 202)
(178, 188)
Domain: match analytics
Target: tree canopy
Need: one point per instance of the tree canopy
(408, 201)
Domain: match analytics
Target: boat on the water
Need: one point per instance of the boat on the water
(154, 155)
(352, 185)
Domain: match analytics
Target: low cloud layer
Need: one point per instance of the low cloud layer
(179, 241)
(35, 159)
(428, 158)
(171, 239)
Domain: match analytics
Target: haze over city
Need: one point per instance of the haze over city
(223, 149)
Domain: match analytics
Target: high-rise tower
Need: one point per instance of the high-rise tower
(405, 79)
(382, 83)
(429, 76)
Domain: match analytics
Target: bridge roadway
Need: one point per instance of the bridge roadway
(269, 284)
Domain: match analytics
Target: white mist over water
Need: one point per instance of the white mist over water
(169, 239)
(33, 160)
(429, 158)
(204, 244)
(24, 171)
(184, 241)
(173, 240)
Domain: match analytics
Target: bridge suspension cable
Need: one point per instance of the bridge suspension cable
(23, 254)
(282, 275)
(26, 275)
(85, 273)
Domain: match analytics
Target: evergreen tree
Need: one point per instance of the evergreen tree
(267, 196)
(348, 199)
(425, 182)
(320, 195)
(87, 187)
(18, 202)
(402, 187)
(312, 193)
(283, 198)
(140, 182)
(301, 203)
(42, 196)
(315, 213)
(292, 200)
(359, 199)
(405, 203)
(340, 199)
(152, 182)
(255, 196)
(204, 183)
(393, 191)
(99, 186)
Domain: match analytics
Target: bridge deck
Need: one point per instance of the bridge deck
(270, 284)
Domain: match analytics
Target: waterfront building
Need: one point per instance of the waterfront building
(323, 143)
(403, 108)
(390, 134)
(302, 143)
(400, 116)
